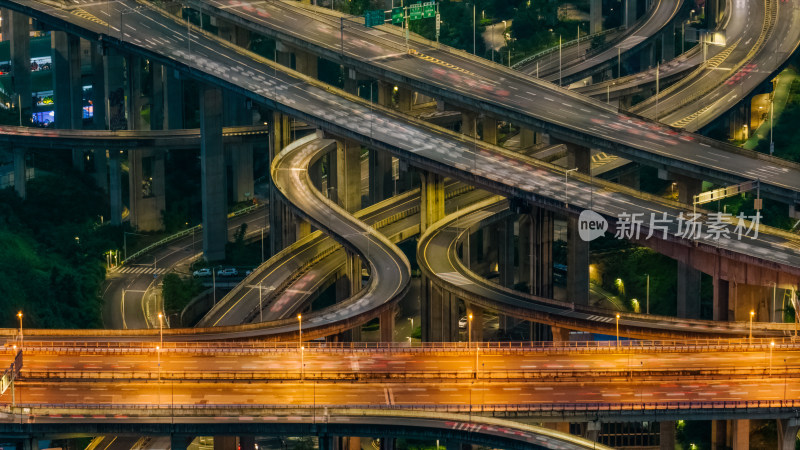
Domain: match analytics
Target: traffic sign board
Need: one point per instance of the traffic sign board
(428, 10)
(373, 18)
(415, 11)
(397, 16)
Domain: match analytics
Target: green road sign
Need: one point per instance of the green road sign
(428, 10)
(415, 11)
(373, 18)
(397, 16)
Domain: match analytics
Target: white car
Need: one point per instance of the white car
(202, 272)
(229, 272)
(462, 322)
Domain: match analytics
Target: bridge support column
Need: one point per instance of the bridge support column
(100, 168)
(630, 12)
(283, 54)
(30, 444)
(505, 255)
(559, 334)
(212, 170)
(173, 100)
(469, 124)
(593, 430)
(225, 443)
(326, 442)
(595, 16)
(740, 434)
(347, 189)
(232, 33)
(439, 313)
(647, 56)
(787, 433)
(666, 435)
(115, 187)
(384, 95)
(278, 139)
(668, 42)
(477, 322)
(387, 325)
(387, 443)
(432, 198)
(719, 434)
(688, 291)
(241, 154)
(405, 99)
(579, 157)
(147, 190)
(527, 138)
(306, 63)
(489, 130)
(381, 185)
(247, 442)
(20, 172)
(67, 86)
(19, 30)
(577, 264)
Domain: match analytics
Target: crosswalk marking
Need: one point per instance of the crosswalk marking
(135, 269)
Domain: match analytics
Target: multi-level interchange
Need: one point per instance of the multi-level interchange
(262, 362)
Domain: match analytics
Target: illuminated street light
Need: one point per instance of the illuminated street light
(617, 330)
(300, 329)
(19, 314)
(752, 313)
(771, 346)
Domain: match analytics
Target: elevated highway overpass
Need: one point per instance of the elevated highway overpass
(473, 83)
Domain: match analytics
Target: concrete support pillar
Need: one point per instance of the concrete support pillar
(67, 86)
(20, 172)
(157, 96)
(30, 444)
(432, 199)
(306, 63)
(387, 325)
(405, 99)
(99, 117)
(666, 435)
(559, 334)
(385, 91)
(687, 188)
(100, 169)
(577, 264)
(719, 434)
(631, 178)
(505, 255)
(19, 30)
(350, 80)
(242, 172)
(489, 130)
(212, 168)
(668, 42)
(327, 442)
(647, 57)
(595, 16)
(387, 443)
(179, 442)
(476, 328)
(146, 188)
(688, 291)
(279, 138)
(283, 54)
(247, 442)
(469, 124)
(115, 187)
(721, 308)
(225, 443)
(536, 252)
(527, 138)
(740, 434)
(381, 185)
(173, 100)
(439, 313)
(113, 65)
(630, 12)
(593, 430)
(787, 433)
(348, 175)
(353, 272)
(579, 157)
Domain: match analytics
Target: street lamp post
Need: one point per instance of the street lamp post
(161, 329)
(617, 330)
(300, 329)
(752, 313)
(469, 331)
(21, 340)
(158, 352)
(648, 293)
(302, 363)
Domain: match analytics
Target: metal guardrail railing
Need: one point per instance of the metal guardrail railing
(237, 408)
(694, 345)
(554, 49)
(180, 234)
